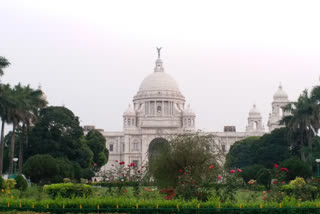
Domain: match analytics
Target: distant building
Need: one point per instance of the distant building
(159, 111)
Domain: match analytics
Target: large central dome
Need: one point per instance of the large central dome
(159, 84)
(159, 81)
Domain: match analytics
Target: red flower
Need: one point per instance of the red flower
(122, 175)
(275, 182)
(281, 182)
(184, 173)
(211, 167)
(276, 165)
(180, 171)
(284, 170)
(95, 164)
(239, 170)
(112, 165)
(138, 171)
(116, 161)
(219, 177)
(263, 198)
(197, 186)
(121, 163)
(232, 171)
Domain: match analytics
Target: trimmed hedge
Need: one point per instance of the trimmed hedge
(68, 190)
(126, 203)
(116, 184)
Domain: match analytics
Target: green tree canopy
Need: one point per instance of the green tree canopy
(97, 143)
(266, 150)
(194, 151)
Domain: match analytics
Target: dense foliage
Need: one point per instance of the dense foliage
(68, 190)
(266, 150)
(21, 183)
(194, 152)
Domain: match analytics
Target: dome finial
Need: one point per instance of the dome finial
(159, 66)
(159, 49)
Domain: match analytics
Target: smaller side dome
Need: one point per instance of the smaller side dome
(280, 94)
(188, 111)
(254, 112)
(129, 111)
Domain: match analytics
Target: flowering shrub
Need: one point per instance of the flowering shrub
(170, 193)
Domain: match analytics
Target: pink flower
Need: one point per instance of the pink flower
(239, 170)
(232, 171)
(180, 171)
(284, 170)
(264, 192)
(276, 165)
(211, 167)
(219, 177)
(95, 164)
(116, 161)
(263, 198)
(184, 173)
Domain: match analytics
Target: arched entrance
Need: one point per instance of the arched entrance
(156, 147)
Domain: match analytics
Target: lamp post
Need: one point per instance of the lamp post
(15, 160)
(318, 161)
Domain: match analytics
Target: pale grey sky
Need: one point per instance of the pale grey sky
(225, 55)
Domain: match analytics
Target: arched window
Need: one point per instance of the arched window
(111, 147)
(129, 122)
(135, 146)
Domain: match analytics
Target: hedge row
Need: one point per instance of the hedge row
(111, 202)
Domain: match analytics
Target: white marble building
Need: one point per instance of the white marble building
(159, 111)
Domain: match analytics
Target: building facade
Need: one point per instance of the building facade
(159, 110)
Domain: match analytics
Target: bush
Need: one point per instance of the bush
(250, 172)
(68, 190)
(297, 168)
(41, 168)
(10, 183)
(2, 182)
(264, 177)
(298, 181)
(22, 184)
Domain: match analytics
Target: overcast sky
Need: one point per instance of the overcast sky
(225, 55)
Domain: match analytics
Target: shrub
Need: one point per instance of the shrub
(264, 177)
(66, 180)
(2, 182)
(41, 168)
(297, 168)
(10, 183)
(298, 181)
(250, 172)
(22, 184)
(68, 190)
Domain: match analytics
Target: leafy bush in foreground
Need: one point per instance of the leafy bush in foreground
(22, 184)
(68, 190)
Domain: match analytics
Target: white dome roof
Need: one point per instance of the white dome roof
(280, 95)
(159, 81)
(159, 84)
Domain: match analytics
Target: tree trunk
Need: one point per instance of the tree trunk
(21, 148)
(12, 148)
(2, 146)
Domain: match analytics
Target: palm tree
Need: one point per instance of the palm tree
(34, 100)
(6, 103)
(3, 64)
(303, 122)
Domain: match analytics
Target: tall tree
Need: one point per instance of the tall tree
(6, 103)
(3, 64)
(33, 102)
(303, 122)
